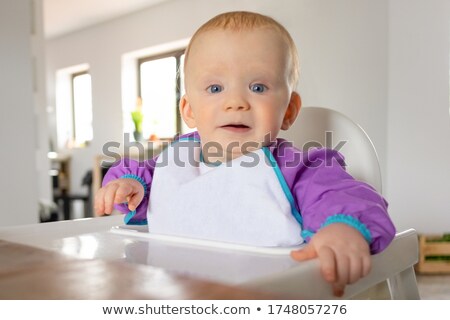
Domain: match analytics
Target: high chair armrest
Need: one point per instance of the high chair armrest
(394, 265)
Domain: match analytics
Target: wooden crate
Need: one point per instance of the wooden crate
(429, 248)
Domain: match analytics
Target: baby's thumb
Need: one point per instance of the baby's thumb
(135, 200)
(306, 253)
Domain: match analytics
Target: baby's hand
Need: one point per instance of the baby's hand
(119, 191)
(343, 253)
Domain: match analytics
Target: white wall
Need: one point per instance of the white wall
(18, 114)
(355, 57)
(40, 104)
(419, 122)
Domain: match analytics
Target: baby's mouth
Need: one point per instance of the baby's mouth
(236, 127)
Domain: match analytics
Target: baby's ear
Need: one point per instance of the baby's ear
(295, 103)
(186, 112)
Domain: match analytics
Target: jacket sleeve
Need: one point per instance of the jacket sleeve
(140, 171)
(325, 193)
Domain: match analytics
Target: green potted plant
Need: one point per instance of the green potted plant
(137, 116)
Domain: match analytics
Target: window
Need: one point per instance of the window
(160, 87)
(74, 106)
(82, 108)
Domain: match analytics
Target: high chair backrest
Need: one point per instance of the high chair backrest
(318, 126)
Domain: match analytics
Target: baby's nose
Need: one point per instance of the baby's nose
(237, 103)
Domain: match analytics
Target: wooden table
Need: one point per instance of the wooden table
(31, 273)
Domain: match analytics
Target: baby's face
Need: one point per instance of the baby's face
(237, 89)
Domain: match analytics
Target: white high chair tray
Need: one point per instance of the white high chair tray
(267, 269)
(278, 273)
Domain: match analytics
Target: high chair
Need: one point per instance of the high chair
(265, 269)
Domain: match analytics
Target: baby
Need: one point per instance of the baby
(233, 180)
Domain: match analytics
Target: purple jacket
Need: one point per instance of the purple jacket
(319, 189)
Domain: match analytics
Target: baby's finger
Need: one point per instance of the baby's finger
(343, 269)
(99, 202)
(135, 200)
(327, 264)
(338, 289)
(110, 194)
(342, 275)
(366, 265)
(306, 253)
(356, 271)
(122, 193)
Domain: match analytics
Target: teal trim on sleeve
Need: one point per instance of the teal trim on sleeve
(284, 185)
(135, 177)
(351, 221)
(129, 216)
(307, 234)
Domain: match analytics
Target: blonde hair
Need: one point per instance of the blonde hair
(243, 20)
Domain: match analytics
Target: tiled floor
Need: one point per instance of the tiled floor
(434, 287)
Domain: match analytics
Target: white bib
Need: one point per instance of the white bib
(240, 201)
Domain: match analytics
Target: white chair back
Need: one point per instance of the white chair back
(329, 128)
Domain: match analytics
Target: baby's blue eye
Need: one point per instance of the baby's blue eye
(258, 88)
(215, 88)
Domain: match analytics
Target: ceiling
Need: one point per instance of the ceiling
(64, 16)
